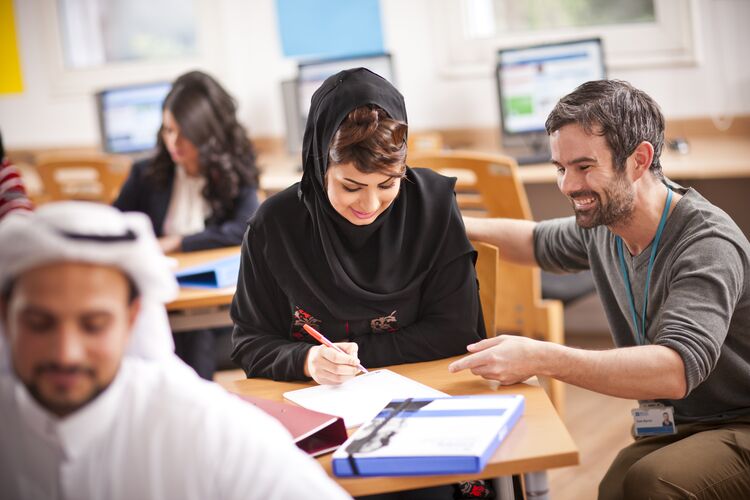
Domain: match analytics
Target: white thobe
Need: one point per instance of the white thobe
(154, 433)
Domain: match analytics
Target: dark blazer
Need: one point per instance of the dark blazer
(139, 194)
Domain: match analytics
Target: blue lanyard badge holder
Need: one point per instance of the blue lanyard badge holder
(650, 418)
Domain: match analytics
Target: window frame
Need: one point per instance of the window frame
(670, 41)
(80, 81)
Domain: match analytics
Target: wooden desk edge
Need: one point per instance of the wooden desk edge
(201, 298)
(193, 298)
(375, 484)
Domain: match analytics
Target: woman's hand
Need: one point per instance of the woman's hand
(329, 366)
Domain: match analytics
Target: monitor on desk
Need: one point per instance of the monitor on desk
(530, 81)
(130, 117)
(310, 76)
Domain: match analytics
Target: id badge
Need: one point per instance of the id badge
(653, 419)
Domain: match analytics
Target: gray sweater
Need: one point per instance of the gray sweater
(698, 304)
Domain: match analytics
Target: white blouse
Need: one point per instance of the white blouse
(188, 209)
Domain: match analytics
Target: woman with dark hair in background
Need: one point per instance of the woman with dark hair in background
(200, 187)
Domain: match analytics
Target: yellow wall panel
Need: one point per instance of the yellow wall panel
(10, 65)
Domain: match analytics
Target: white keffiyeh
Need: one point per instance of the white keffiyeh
(97, 234)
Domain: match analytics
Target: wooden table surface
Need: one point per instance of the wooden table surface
(192, 298)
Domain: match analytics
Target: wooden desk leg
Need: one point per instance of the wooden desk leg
(537, 486)
(198, 319)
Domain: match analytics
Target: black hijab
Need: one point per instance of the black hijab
(355, 270)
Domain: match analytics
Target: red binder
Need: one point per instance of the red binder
(314, 432)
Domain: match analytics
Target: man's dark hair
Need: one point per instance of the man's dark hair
(624, 115)
(133, 292)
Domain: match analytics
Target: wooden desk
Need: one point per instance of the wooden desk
(539, 441)
(710, 157)
(196, 308)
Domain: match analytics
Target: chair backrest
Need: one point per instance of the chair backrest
(488, 258)
(488, 185)
(91, 178)
(425, 141)
(491, 183)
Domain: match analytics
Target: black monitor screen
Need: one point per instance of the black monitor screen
(312, 74)
(130, 117)
(530, 80)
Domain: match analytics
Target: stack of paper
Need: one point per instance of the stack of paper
(361, 398)
(429, 436)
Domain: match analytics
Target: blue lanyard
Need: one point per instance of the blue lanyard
(640, 331)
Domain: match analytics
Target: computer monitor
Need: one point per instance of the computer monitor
(130, 117)
(530, 81)
(311, 75)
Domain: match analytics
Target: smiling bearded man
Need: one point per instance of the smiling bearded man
(671, 270)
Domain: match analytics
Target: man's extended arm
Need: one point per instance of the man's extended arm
(642, 372)
(514, 237)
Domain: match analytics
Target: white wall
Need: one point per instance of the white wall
(251, 65)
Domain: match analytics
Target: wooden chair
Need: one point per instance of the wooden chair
(425, 141)
(489, 185)
(90, 178)
(488, 259)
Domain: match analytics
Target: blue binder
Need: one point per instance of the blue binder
(427, 436)
(218, 273)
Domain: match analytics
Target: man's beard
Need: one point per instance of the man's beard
(62, 407)
(618, 209)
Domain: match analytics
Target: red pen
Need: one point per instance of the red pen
(320, 338)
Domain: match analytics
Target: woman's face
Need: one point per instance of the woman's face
(181, 150)
(359, 197)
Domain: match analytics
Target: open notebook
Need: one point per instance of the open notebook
(361, 398)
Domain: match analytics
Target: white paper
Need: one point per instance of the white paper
(358, 400)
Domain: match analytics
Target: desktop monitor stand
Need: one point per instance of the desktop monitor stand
(528, 148)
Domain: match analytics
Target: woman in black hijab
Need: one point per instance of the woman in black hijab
(368, 251)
